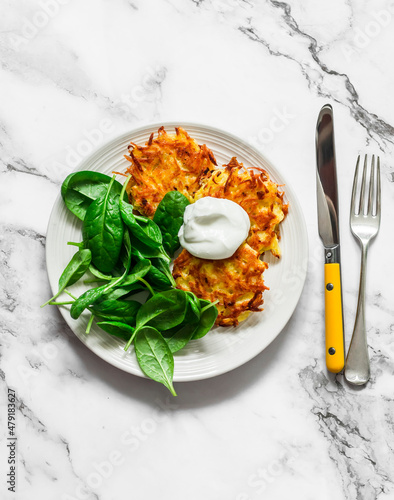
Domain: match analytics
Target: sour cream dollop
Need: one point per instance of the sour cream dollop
(213, 228)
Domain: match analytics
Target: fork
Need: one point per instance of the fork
(364, 223)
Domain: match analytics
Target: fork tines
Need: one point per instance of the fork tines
(372, 206)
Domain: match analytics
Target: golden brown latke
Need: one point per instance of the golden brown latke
(257, 195)
(237, 282)
(167, 163)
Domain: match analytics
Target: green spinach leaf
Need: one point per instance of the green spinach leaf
(178, 336)
(158, 257)
(158, 280)
(98, 274)
(154, 357)
(164, 310)
(209, 313)
(181, 337)
(117, 329)
(92, 295)
(86, 299)
(142, 251)
(194, 304)
(103, 231)
(169, 217)
(139, 271)
(142, 228)
(130, 283)
(79, 189)
(120, 292)
(163, 266)
(124, 311)
(74, 270)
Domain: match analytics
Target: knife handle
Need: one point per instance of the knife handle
(335, 349)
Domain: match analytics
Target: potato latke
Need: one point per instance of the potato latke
(256, 194)
(237, 282)
(167, 163)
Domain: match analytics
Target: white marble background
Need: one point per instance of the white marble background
(75, 74)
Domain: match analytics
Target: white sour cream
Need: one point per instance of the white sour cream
(213, 228)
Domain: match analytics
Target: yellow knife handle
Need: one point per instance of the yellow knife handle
(335, 349)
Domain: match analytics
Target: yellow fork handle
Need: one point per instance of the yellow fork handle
(335, 349)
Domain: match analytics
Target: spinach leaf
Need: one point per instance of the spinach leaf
(117, 329)
(163, 266)
(209, 313)
(164, 310)
(158, 280)
(103, 231)
(178, 336)
(130, 283)
(94, 294)
(154, 357)
(74, 270)
(125, 256)
(169, 217)
(86, 299)
(195, 324)
(142, 251)
(181, 337)
(139, 271)
(119, 292)
(193, 311)
(158, 256)
(194, 304)
(98, 274)
(79, 189)
(124, 311)
(142, 228)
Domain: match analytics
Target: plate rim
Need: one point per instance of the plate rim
(153, 126)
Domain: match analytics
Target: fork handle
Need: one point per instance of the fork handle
(335, 350)
(357, 369)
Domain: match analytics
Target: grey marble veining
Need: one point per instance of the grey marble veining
(74, 75)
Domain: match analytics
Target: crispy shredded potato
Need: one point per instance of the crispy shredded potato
(237, 282)
(167, 163)
(257, 195)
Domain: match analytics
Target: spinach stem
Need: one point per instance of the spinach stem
(52, 298)
(171, 278)
(131, 339)
(70, 294)
(208, 306)
(124, 187)
(167, 272)
(89, 325)
(147, 285)
(61, 303)
(172, 390)
(75, 244)
(113, 284)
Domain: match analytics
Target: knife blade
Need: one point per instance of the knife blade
(328, 223)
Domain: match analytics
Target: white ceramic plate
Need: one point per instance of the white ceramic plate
(222, 349)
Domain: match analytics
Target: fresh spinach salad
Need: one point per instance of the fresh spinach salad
(121, 254)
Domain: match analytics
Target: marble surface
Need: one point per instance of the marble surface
(75, 74)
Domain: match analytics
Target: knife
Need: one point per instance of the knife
(327, 212)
